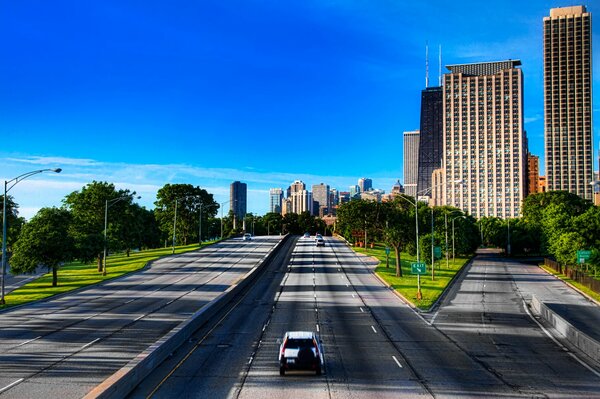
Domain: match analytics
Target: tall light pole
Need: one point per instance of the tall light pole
(109, 203)
(458, 217)
(8, 185)
(446, 228)
(508, 238)
(222, 204)
(174, 227)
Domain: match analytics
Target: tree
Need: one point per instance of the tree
(399, 228)
(87, 208)
(14, 223)
(46, 241)
(272, 222)
(193, 203)
(360, 215)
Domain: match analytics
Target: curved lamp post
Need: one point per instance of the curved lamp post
(109, 203)
(8, 185)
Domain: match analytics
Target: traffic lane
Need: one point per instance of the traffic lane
(485, 314)
(60, 351)
(362, 362)
(294, 310)
(437, 362)
(212, 363)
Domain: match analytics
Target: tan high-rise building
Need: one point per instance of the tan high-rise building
(533, 171)
(568, 100)
(484, 141)
(542, 187)
(411, 162)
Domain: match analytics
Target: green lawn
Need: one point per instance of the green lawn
(76, 275)
(407, 285)
(574, 283)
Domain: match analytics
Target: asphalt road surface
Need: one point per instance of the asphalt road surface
(64, 347)
(481, 343)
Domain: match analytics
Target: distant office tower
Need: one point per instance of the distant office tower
(296, 186)
(344, 196)
(397, 188)
(276, 198)
(302, 201)
(533, 172)
(438, 188)
(286, 206)
(365, 184)
(334, 197)
(237, 200)
(411, 162)
(431, 147)
(542, 186)
(354, 191)
(568, 100)
(320, 193)
(484, 140)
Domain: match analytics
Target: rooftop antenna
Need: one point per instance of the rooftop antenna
(426, 64)
(440, 71)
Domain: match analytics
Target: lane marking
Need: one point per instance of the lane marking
(374, 330)
(558, 343)
(396, 360)
(139, 318)
(90, 343)
(129, 301)
(353, 296)
(317, 328)
(347, 285)
(9, 386)
(28, 341)
(171, 301)
(361, 309)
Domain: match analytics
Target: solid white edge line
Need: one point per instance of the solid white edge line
(558, 343)
(26, 342)
(90, 343)
(396, 360)
(374, 330)
(12, 384)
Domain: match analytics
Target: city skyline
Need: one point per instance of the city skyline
(155, 102)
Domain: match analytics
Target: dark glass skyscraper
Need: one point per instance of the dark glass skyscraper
(237, 198)
(430, 141)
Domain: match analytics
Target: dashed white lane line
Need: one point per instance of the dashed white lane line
(361, 309)
(12, 384)
(317, 328)
(90, 343)
(396, 360)
(374, 330)
(28, 341)
(353, 296)
(139, 318)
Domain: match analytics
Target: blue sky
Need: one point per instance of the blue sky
(144, 93)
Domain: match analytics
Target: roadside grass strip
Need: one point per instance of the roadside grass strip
(407, 284)
(75, 275)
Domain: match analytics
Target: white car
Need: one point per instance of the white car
(247, 237)
(301, 350)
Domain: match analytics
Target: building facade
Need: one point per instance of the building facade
(431, 146)
(484, 140)
(237, 200)
(365, 184)
(568, 100)
(411, 162)
(302, 201)
(320, 194)
(533, 172)
(275, 200)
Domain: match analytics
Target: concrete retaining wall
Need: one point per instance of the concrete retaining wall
(586, 344)
(127, 378)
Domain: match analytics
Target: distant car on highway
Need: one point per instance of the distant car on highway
(319, 242)
(247, 237)
(301, 350)
(307, 235)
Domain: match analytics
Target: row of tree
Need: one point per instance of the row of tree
(395, 223)
(75, 231)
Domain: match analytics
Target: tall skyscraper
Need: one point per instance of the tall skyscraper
(320, 193)
(237, 200)
(302, 201)
(276, 198)
(365, 184)
(296, 186)
(484, 142)
(431, 146)
(411, 162)
(568, 100)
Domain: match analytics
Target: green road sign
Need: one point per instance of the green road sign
(418, 268)
(583, 255)
(387, 250)
(437, 252)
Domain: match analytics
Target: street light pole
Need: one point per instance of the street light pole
(12, 183)
(174, 227)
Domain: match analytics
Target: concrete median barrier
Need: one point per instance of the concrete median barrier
(577, 338)
(122, 382)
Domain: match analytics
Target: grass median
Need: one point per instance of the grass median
(74, 275)
(407, 284)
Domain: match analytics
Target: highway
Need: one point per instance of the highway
(66, 346)
(481, 342)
